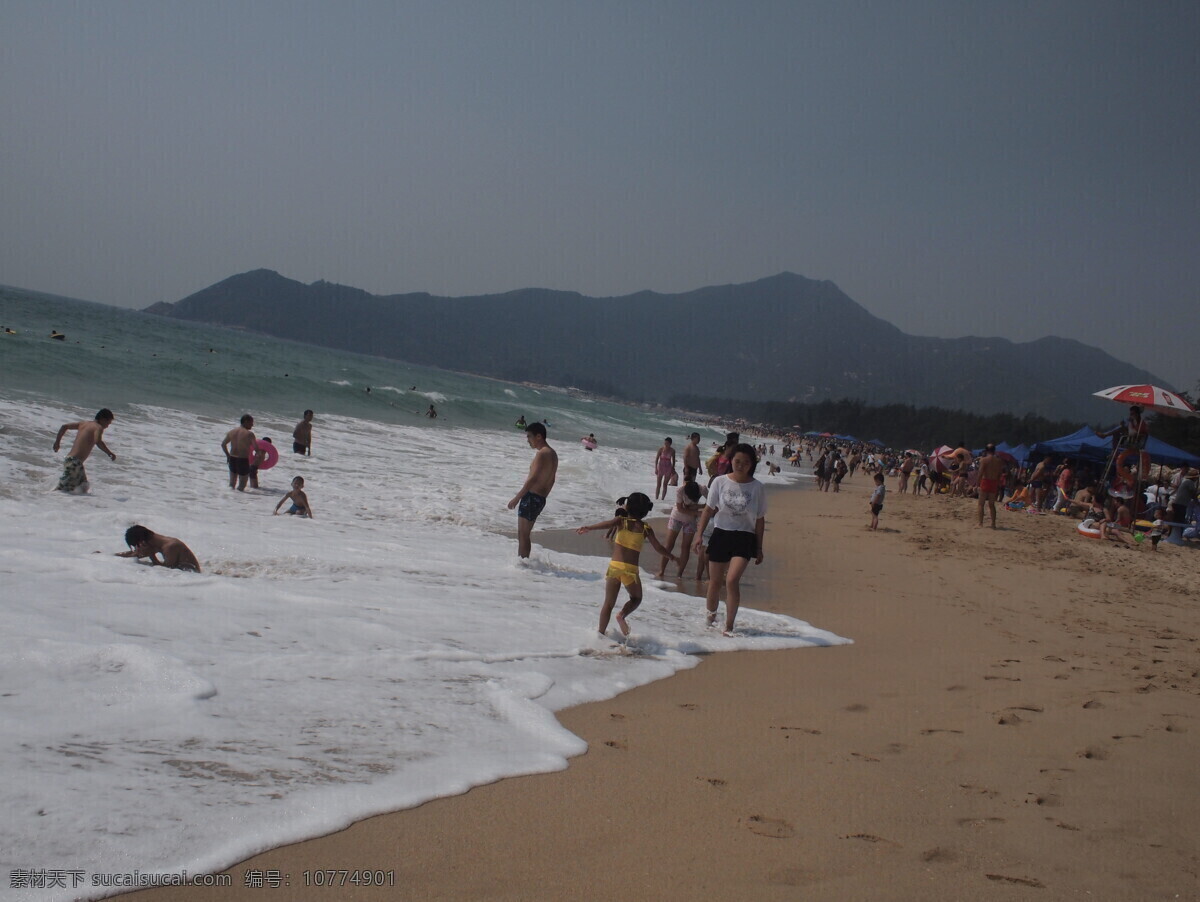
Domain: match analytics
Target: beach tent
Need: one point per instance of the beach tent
(877, 442)
(1085, 443)
(1019, 453)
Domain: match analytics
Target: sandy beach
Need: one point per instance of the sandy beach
(1019, 718)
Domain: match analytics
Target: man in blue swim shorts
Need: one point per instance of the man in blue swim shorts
(531, 497)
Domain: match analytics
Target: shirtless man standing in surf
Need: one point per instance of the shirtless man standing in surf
(691, 457)
(531, 497)
(238, 445)
(991, 468)
(91, 435)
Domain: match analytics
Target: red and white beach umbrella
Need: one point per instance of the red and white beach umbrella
(1149, 397)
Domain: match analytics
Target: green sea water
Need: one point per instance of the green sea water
(114, 357)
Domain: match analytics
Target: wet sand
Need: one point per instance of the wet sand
(1019, 718)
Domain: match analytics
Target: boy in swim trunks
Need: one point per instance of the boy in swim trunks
(623, 570)
(531, 497)
(300, 506)
(173, 553)
(91, 435)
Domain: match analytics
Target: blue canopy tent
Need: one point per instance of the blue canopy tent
(1085, 443)
(1021, 453)
(878, 443)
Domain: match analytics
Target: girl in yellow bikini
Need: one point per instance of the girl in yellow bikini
(630, 534)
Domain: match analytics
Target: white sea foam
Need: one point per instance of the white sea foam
(316, 672)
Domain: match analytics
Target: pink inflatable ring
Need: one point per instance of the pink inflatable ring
(271, 455)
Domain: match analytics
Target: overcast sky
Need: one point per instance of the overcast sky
(991, 168)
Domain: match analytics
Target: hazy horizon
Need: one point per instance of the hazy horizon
(1014, 170)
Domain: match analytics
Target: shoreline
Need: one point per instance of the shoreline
(1011, 717)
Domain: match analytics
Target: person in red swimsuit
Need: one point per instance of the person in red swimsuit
(991, 468)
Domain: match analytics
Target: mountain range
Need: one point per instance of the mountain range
(783, 338)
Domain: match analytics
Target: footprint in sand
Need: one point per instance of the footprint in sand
(1093, 704)
(863, 757)
(800, 729)
(792, 877)
(616, 744)
(1023, 881)
(769, 827)
(713, 781)
(978, 821)
(1094, 753)
(856, 708)
(869, 837)
(617, 716)
(1063, 826)
(1050, 800)
(971, 787)
(688, 706)
(938, 854)
(929, 731)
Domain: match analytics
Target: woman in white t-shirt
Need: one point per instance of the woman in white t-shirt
(737, 506)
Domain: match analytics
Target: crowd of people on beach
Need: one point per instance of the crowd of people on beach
(1103, 494)
(718, 511)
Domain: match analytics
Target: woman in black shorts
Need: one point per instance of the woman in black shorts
(737, 505)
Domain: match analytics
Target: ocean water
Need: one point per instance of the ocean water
(386, 652)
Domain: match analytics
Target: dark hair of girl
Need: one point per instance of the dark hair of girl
(691, 491)
(748, 450)
(638, 505)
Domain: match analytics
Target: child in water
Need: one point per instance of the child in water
(163, 551)
(299, 500)
(630, 533)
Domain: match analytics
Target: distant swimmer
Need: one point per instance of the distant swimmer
(302, 435)
(521, 424)
(8, 331)
(431, 412)
(531, 497)
(300, 506)
(238, 444)
(57, 336)
(91, 435)
(163, 551)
